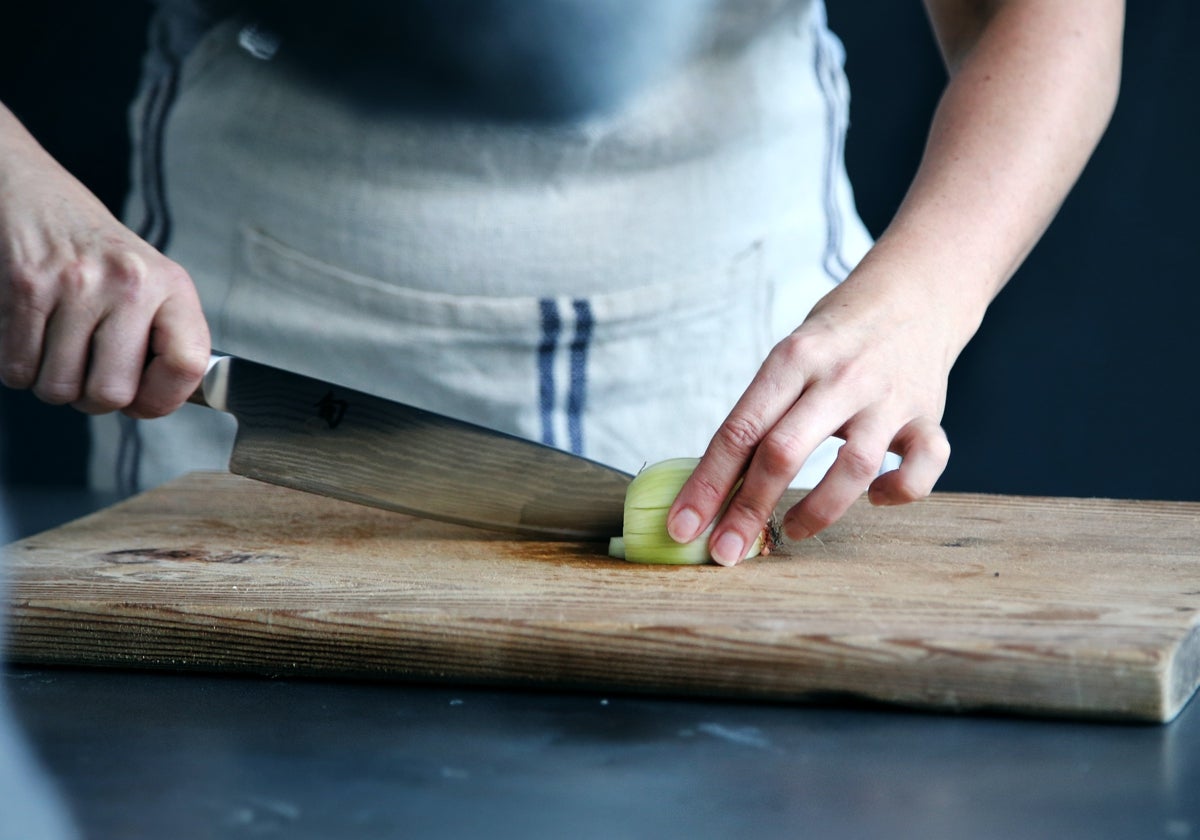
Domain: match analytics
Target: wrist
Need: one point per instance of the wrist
(923, 283)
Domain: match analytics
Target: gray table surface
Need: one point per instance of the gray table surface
(167, 755)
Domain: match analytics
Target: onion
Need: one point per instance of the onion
(647, 502)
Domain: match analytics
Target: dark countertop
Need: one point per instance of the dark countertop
(147, 754)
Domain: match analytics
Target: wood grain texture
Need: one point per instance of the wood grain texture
(1076, 607)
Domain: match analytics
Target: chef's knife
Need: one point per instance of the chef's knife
(322, 438)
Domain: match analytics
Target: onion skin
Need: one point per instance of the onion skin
(647, 502)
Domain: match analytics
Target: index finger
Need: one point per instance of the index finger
(728, 454)
(776, 387)
(180, 346)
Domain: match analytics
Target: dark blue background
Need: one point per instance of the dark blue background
(1082, 380)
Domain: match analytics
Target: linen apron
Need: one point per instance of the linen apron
(607, 284)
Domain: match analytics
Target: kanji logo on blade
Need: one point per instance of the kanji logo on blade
(331, 410)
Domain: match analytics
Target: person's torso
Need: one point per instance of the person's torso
(513, 59)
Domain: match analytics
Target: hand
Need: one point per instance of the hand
(90, 315)
(869, 365)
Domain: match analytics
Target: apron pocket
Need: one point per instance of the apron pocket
(622, 377)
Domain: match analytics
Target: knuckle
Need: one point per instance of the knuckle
(175, 274)
(57, 393)
(18, 373)
(910, 487)
(905, 490)
(127, 276)
(187, 368)
(24, 292)
(781, 453)
(163, 273)
(740, 434)
(711, 493)
(858, 463)
(796, 351)
(939, 447)
(150, 403)
(814, 354)
(22, 283)
(110, 396)
(78, 276)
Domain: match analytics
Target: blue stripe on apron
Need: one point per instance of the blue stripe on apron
(548, 357)
(576, 398)
(551, 328)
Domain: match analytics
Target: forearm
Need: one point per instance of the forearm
(13, 135)
(1033, 84)
(18, 148)
(28, 171)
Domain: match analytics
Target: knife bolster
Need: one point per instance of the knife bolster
(214, 387)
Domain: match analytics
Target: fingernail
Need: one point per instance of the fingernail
(684, 526)
(729, 549)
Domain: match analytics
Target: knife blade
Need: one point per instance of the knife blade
(322, 438)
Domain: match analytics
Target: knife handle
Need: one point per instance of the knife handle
(214, 387)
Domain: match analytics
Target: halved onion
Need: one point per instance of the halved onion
(647, 502)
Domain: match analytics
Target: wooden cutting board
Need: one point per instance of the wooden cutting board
(1078, 607)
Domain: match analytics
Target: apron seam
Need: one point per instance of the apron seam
(833, 261)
